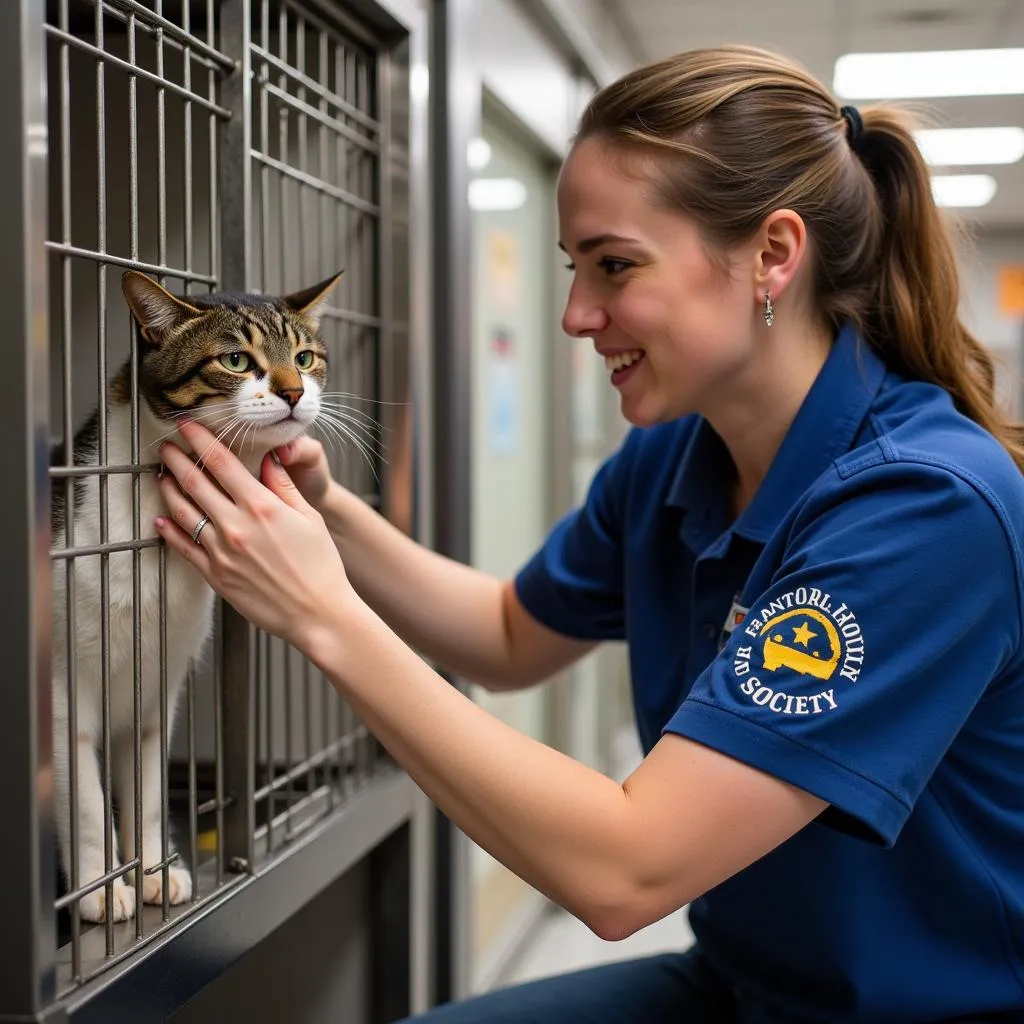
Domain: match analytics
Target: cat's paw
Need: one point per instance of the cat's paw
(179, 886)
(94, 906)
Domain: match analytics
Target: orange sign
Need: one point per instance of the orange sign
(1011, 289)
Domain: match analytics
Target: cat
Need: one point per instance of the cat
(253, 369)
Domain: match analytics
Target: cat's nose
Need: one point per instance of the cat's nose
(291, 395)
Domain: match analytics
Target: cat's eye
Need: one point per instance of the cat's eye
(304, 360)
(236, 362)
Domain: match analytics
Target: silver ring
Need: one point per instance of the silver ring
(199, 529)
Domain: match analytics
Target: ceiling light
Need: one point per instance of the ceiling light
(478, 154)
(419, 83)
(963, 189)
(496, 194)
(957, 147)
(871, 76)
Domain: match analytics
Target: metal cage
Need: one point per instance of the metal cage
(256, 145)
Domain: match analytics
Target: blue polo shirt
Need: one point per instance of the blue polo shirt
(857, 633)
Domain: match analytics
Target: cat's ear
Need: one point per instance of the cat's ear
(311, 301)
(155, 309)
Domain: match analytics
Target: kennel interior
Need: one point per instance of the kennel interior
(242, 145)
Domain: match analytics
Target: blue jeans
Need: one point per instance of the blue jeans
(673, 987)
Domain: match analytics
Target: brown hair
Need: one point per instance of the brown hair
(757, 133)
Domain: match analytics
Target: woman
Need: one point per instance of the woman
(811, 541)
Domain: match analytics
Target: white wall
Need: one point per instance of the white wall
(527, 73)
(531, 76)
(1003, 334)
(591, 18)
(515, 270)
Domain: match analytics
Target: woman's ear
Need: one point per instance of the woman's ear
(780, 247)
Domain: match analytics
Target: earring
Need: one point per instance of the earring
(769, 310)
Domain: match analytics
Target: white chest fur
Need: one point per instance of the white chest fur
(139, 602)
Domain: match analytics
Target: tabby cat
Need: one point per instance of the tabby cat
(253, 369)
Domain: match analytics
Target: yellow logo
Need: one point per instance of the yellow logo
(805, 631)
(803, 640)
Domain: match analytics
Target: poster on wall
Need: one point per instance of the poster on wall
(1011, 290)
(504, 393)
(504, 296)
(504, 279)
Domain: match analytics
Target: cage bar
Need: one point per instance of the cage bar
(96, 50)
(235, 683)
(303, 81)
(104, 490)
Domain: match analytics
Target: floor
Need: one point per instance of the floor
(563, 943)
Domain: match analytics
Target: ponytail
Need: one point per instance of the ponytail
(739, 132)
(916, 322)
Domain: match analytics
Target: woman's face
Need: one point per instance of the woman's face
(672, 325)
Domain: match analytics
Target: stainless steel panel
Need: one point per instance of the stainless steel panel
(27, 853)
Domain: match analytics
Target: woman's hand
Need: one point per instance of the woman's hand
(306, 463)
(264, 549)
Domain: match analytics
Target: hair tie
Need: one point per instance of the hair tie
(854, 125)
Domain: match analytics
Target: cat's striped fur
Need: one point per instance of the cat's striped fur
(192, 359)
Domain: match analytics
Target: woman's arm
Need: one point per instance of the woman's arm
(469, 622)
(617, 856)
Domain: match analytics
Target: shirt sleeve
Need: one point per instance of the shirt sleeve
(895, 604)
(574, 583)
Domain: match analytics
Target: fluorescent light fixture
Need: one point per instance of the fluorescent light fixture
(963, 189)
(875, 76)
(496, 194)
(478, 154)
(419, 83)
(958, 147)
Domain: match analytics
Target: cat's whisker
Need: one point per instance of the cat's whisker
(236, 424)
(361, 446)
(343, 436)
(358, 398)
(230, 413)
(230, 423)
(202, 413)
(352, 429)
(245, 437)
(368, 427)
(200, 464)
(352, 416)
(239, 430)
(221, 426)
(329, 438)
(355, 416)
(366, 430)
(349, 408)
(330, 432)
(174, 430)
(238, 437)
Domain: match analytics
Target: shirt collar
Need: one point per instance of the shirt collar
(824, 428)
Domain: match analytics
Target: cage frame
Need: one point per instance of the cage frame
(376, 823)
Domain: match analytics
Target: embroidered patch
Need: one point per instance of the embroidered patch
(797, 642)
